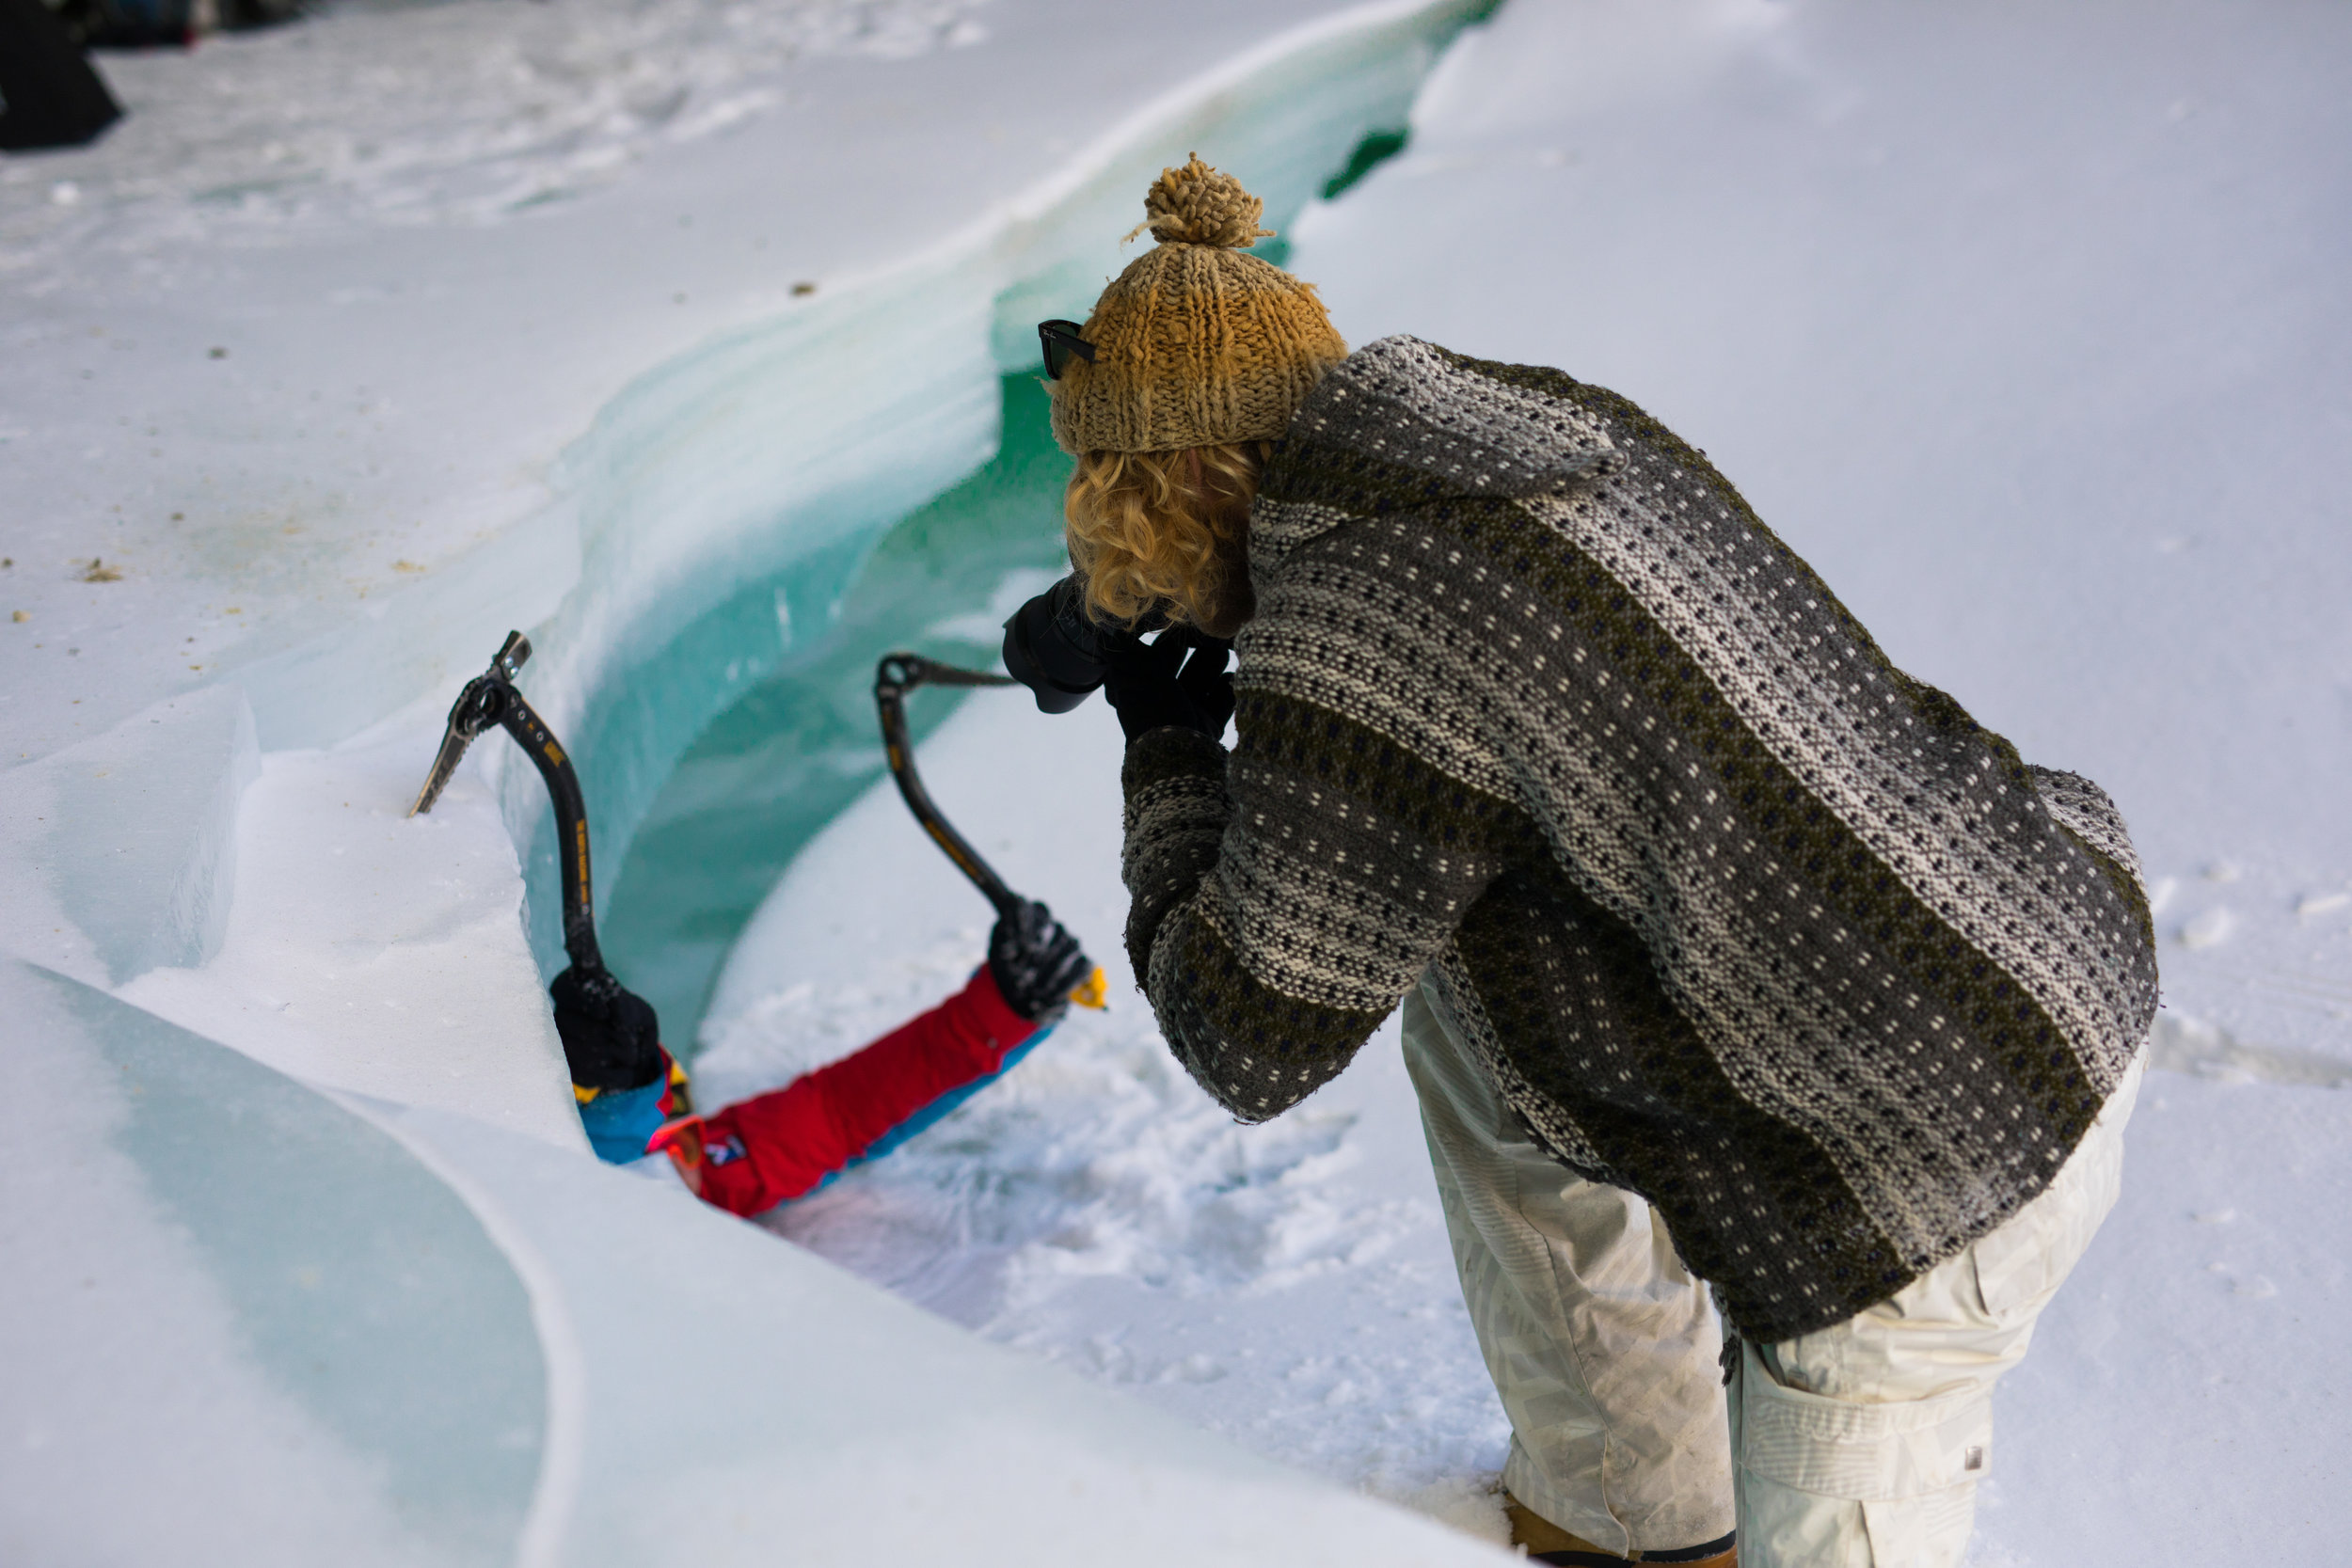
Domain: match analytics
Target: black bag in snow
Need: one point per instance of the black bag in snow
(49, 95)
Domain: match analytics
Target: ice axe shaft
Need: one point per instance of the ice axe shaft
(894, 678)
(490, 698)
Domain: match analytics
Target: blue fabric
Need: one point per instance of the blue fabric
(620, 1122)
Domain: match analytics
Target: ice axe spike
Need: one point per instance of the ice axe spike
(473, 711)
(896, 675)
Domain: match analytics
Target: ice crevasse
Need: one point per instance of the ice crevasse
(301, 1218)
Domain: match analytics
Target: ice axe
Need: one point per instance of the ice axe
(894, 678)
(592, 1009)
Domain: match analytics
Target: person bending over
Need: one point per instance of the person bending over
(785, 1143)
(1729, 953)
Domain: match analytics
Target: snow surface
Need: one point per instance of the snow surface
(2025, 324)
(378, 114)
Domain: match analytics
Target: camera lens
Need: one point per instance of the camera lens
(1051, 648)
(1059, 651)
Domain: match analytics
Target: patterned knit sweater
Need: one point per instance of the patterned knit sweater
(1739, 915)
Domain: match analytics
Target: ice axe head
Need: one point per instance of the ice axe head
(481, 704)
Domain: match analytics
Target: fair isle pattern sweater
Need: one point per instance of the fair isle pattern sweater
(1739, 915)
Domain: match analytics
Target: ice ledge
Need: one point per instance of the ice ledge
(119, 853)
(243, 1359)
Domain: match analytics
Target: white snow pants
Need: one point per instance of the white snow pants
(1856, 1447)
(1604, 1349)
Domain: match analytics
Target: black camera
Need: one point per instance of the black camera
(1059, 651)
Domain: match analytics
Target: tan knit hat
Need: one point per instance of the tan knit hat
(1195, 343)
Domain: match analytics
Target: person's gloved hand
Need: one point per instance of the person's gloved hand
(1036, 963)
(610, 1037)
(1150, 691)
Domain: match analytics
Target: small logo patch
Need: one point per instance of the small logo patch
(722, 1151)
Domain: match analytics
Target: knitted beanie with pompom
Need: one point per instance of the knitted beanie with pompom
(1197, 343)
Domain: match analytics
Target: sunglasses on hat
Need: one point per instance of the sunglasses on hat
(1061, 343)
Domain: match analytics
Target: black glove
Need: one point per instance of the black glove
(1151, 692)
(610, 1037)
(1035, 963)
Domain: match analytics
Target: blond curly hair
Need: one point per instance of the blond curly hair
(1166, 532)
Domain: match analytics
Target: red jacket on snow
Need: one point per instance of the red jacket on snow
(785, 1143)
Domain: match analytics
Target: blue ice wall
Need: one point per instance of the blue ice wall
(733, 506)
(204, 1243)
(800, 745)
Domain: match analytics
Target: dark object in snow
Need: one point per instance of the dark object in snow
(611, 1039)
(1036, 965)
(788, 1142)
(238, 15)
(132, 23)
(163, 23)
(49, 94)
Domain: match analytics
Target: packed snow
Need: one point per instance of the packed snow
(636, 325)
(386, 113)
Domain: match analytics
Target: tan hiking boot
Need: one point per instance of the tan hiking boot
(1545, 1542)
